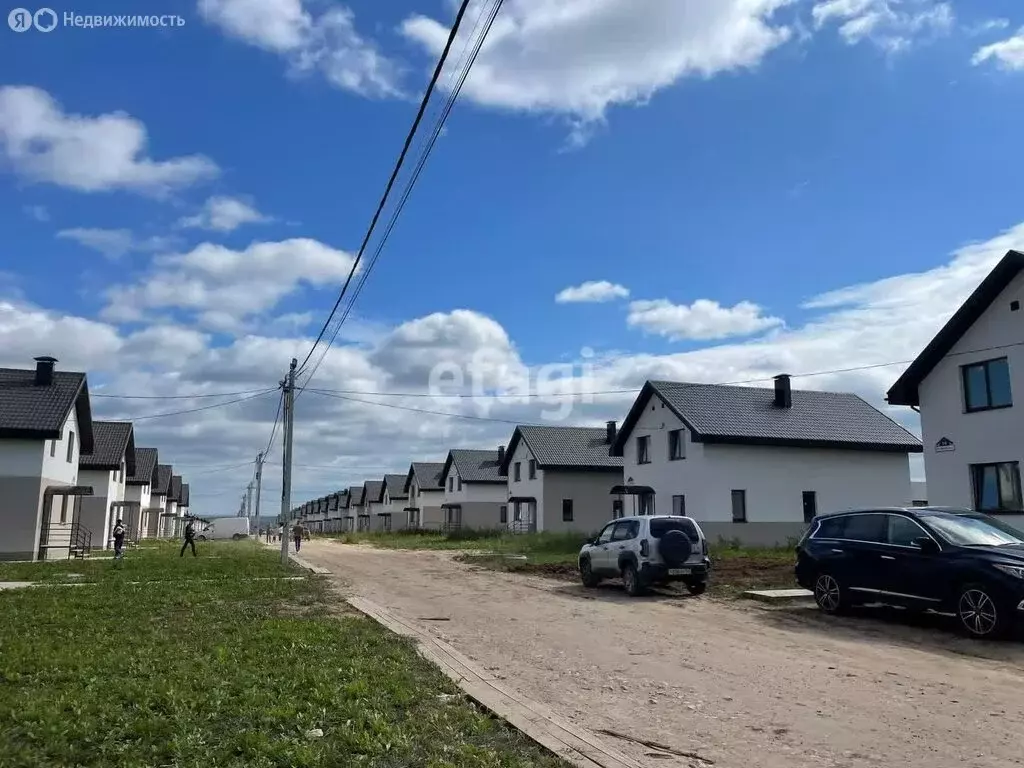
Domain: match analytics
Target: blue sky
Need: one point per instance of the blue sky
(752, 154)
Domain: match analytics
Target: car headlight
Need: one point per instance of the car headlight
(1012, 570)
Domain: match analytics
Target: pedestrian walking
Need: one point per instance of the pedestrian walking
(119, 532)
(190, 539)
(298, 533)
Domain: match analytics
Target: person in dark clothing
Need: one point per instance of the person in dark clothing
(298, 533)
(119, 532)
(190, 539)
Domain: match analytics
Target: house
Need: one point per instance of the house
(425, 489)
(336, 505)
(137, 492)
(755, 464)
(395, 502)
(183, 506)
(338, 521)
(152, 518)
(353, 517)
(45, 426)
(475, 492)
(560, 478)
(377, 506)
(170, 518)
(964, 383)
(106, 471)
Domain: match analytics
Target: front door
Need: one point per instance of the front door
(600, 553)
(908, 573)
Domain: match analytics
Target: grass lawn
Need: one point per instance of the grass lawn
(218, 661)
(735, 568)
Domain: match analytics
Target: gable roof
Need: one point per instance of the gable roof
(162, 486)
(145, 467)
(395, 485)
(175, 488)
(32, 412)
(748, 416)
(343, 498)
(184, 495)
(429, 475)
(112, 441)
(475, 466)
(905, 390)
(373, 491)
(355, 495)
(578, 448)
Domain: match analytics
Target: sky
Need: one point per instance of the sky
(699, 190)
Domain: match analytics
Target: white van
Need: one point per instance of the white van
(225, 528)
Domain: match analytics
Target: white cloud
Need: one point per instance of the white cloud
(328, 43)
(703, 320)
(579, 58)
(224, 214)
(114, 243)
(1007, 54)
(593, 291)
(224, 287)
(891, 24)
(988, 25)
(42, 143)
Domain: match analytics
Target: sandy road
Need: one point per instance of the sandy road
(742, 685)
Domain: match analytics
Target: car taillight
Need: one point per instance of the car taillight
(704, 547)
(645, 548)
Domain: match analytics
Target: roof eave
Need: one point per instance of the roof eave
(773, 442)
(513, 443)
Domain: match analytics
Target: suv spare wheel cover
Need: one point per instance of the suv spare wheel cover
(674, 547)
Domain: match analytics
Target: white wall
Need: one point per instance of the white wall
(22, 458)
(526, 486)
(979, 438)
(139, 493)
(472, 493)
(428, 502)
(591, 496)
(57, 469)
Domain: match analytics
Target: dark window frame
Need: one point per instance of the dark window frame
(742, 518)
(676, 446)
(53, 449)
(643, 449)
(459, 486)
(984, 365)
(531, 469)
(567, 507)
(451, 482)
(503, 514)
(976, 471)
(814, 504)
(71, 446)
(645, 504)
(681, 511)
(517, 471)
(617, 509)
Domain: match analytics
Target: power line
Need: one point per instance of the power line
(175, 397)
(201, 408)
(273, 429)
(394, 176)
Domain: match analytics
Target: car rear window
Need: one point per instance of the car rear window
(660, 526)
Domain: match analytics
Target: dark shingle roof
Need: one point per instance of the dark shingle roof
(164, 473)
(343, 498)
(475, 466)
(904, 391)
(428, 475)
(112, 442)
(145, 467)
(175, 488)
(355, 495)
(565, 447)
(32, 412)
(748, 416)
(373, 491)
(184, 495)
(396, 486)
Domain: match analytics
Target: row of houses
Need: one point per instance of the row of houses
(65, 478)
(752, 464)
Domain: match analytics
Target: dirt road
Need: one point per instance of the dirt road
(740, 684)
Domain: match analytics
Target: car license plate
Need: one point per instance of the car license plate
(679, 571)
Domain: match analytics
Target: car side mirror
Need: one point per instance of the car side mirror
(927, 545)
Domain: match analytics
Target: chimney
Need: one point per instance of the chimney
(44, 371)
(783, 393)
(501, 454)
(610, 430)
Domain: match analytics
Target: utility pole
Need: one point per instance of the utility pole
(286, 475)
(248, 504)
(259, 483)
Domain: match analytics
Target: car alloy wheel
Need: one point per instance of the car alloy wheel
(827, 594)
(978, 612)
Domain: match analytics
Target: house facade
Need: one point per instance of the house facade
(106, 471)
(425, 490)
(169, 522)
(138, 492)
(968, 384)
(152, 518)
(45, 426)
(337, 515)
(560, 479)
(183, 508)
(354, 515)
(395, 502)
(755, 464)
(475, 492)
(373, 501)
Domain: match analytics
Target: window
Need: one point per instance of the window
(739, 506)
(810, 500)
(606, 534)
(647, 504)
(997, 487)
(903, 531)
(676, 448)
(987, 385)
(566, 510)
(451, 483)
(872, 527)
(71, 446)
(616, 509)
(626, 531)
(517, 473)
(503, 514)
(679, 506)
(643, 449)
(831, 528)
(662, 526)
(532, 469)
(518, 512)
(53, 448)
(460, 483)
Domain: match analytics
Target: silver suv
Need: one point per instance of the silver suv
(646, 550)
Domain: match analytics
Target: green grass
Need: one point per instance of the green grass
(215, 662)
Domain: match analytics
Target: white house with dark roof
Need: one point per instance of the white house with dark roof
(560, 478)
(138, 492)
(475, 492)
(45, 426)
(394, 503)
(964, 384)
(106, 471)
(152, 518)
(753, 463)
(336, 510)
(354, 514)
(169, 522)
(425, 489)
(373, 501)
(183, 506)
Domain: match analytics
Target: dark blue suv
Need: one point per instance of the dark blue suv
(950, 560)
